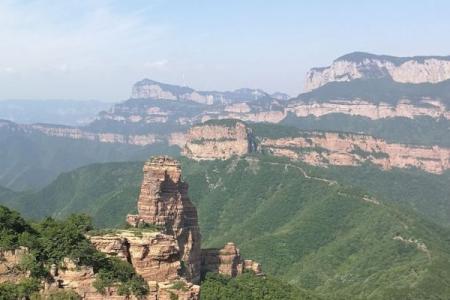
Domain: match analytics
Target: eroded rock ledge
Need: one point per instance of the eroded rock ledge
(323, 149)
(218, 140)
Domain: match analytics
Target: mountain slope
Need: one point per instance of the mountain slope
(418, 131)
(30, 160)
(304, 228)
(104, 191)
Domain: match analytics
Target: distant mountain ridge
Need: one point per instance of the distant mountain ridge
(361, 65)
(150, 89)
(358, 56)
(67, 112)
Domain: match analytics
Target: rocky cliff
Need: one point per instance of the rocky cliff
(227, 261)
(9, 261)
(163, 201)
(341, 149)
(218, 140)
(150, 89)
(175, 252)
(404, 108)
(418, 69)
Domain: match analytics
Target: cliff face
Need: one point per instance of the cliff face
(164, 202)
(325, 149)
(80, 134)
(149, 89)
(9, 260)
(218, 140)
(364, 65)
(154, 256)
(80, 279)
(227, 261)
(431, 108)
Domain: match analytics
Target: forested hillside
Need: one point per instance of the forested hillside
(303, 226)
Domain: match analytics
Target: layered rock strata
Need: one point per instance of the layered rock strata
(357, 65)
(154, 256)
(218, 140)
(70, 276)
(227, 261)
(163, 202)
(340, 149)
(9, 261)
(405, 109)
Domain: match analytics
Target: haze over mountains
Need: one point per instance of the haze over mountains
(341, 191)
(358, 94)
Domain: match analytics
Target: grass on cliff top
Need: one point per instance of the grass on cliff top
(222, 122)
(379, 90)
(418, 131)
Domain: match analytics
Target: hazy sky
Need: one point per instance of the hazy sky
(97, 49)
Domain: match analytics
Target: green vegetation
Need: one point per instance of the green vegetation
(223, 122)
(115, 270)
(249, 287)
(321, 237)
(273, 131)
(365, 154)
(50, 242)
(25, 289)
(12, 229)
(33, 160)
(419, 131)
(106, 191)
(379, 90)
(204, 141)
(427, 194)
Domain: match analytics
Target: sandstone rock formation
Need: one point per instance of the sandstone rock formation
(80, 279)
(326, 148)
(357, 65)
(227, 261)
(9, 261)
(154, 256)
(218, 140)
(164, 202)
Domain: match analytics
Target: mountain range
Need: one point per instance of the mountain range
(340, 192)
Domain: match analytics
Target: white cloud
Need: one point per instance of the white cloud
(8, 70)
(85, 35)
(157, 64)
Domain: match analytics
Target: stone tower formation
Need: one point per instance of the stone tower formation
(163, 202)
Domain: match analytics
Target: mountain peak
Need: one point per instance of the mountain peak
(363, 65)
(151, 89)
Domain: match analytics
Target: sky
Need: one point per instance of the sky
(97, 49)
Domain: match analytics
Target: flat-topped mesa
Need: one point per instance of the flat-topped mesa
(219, 139)
(163, 201)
